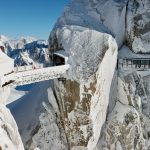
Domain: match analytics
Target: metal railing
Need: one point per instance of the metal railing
(134, 64)
(29, 67)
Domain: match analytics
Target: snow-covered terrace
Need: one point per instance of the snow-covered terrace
(130, 60)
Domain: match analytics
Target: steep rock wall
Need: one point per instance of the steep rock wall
(138, 25)
(83, 97)
(126, 122)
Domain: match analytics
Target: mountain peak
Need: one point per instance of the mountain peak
(3, 38)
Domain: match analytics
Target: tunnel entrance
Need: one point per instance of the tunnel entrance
(58, 60)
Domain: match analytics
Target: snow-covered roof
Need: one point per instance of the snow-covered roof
(125, 52)
(61, 53)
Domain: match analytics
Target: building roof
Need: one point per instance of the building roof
(61, 53)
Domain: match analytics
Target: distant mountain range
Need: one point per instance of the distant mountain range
(26, 50)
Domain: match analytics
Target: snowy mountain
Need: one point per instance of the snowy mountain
(26, 50)
(100, 105)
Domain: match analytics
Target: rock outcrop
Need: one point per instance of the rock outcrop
(92, 63)
(138, 25)
(10, 137)
(97, 113)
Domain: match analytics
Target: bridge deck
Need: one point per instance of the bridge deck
(28, 76)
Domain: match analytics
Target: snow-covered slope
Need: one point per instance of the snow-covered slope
(104, 16)
(98, 106)
(35, 114)
(10, 138)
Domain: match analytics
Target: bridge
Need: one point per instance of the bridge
(34, 75)
(11, 76)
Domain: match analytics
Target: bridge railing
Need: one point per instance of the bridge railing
(26, 75)
(37, 75)
(31, 72)
(29, 67)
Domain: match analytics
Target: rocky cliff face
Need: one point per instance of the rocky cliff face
(97, 113)
(138, 25)
(128, 120)
(79, 97)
